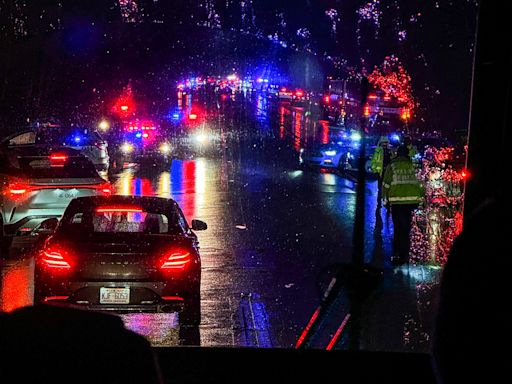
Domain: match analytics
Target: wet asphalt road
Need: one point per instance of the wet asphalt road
(275, 236)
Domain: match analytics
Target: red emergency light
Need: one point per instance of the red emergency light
(124, 106)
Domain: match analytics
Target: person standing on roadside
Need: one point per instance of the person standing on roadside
(413, 151)
(404, 192)
(380, 160)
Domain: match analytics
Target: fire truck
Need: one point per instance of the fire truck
(342, 108)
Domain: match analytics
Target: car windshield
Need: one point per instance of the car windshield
(253, 116)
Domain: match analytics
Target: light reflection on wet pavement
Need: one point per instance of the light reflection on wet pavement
(274, 235)
(161, 329)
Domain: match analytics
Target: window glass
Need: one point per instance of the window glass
(24, 138)
(312, 137)
(138, 222)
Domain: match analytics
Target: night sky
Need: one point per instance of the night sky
(434, 41)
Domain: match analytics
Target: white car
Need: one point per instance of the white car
(37, 184)
(324, 156)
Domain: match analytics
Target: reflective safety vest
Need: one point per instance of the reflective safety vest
(400, 184)
(377, 161)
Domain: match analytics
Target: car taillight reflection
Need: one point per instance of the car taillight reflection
(56, 258)
(175, 260)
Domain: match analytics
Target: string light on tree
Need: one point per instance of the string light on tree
(393, 79)
(439, 222)
(129, 11)
(332, 14)
(369, 12)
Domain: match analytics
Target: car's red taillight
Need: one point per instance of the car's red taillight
(175, 260)
(105, 188)
(56, 258)
(18, 190)
(58, 159)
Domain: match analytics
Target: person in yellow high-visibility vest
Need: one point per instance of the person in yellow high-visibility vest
(404, 192)
(380, 159)
(413, 151)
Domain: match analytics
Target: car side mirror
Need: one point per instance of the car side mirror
(199, 225)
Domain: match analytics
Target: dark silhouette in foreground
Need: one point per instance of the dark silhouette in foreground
(472, 335)
(50, 344)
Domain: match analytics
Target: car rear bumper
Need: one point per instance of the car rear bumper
(162, 306)
(144, 296)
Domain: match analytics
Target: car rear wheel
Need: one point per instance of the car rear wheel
(38, 295)
(191, 314)
(342, 167)
(5, 241)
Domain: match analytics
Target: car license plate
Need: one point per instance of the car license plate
(114, 295)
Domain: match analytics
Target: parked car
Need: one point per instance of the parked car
(324, 155)
(123, 253)
(88, 142)
(37, 183)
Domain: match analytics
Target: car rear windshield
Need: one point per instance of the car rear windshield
(77, 137)
(124, 220)
(45, 168)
